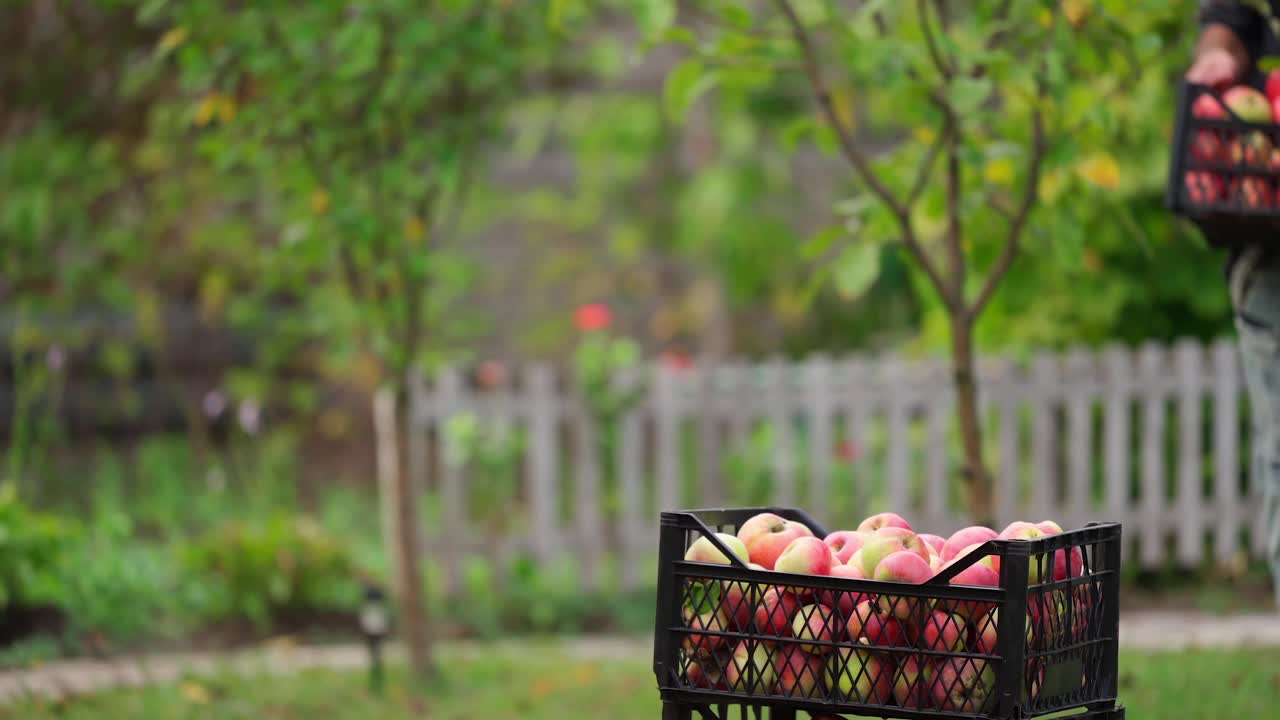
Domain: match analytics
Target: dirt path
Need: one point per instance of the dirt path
(1162, 630)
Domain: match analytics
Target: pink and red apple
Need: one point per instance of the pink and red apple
(913, 682)
(843, 602)
(766, 535)
(879, 546)
(698, 644)
(799, 673)
(844, 543)
(964, 685)
(869, 625)
(777, 608)
(885, 519)
(944, 632)
(902, 567)
(1208, 107)
(962, 539)
(805, 556)
(934, 542)
(708, 677)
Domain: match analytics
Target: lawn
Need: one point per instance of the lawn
(1194, 685)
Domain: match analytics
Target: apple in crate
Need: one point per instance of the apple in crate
(860, 675)
(844, 543)
(700, 645)
(933, 542)
(944, 632)
(1248, 104)
(805, 556)
(815, 622)
(843, 602)
(777, 608)
(991, 561)
(965, 538)
(868, 624)
(705, 676)
(884, 543)
(1060, 564)
(882, 520)
(751, 668)
(766, 535)
(963, 685)
(739, 600)
(1206, 146)
(799, 673)
(913, 683)
(1204, 188)
(902, 567)
(1208, 107)
(702, 550)
(977, 574)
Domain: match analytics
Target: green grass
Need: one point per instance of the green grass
(541, 683)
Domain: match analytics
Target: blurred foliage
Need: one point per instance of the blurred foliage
(260, 570)
(32, 545)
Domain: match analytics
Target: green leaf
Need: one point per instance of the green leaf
(684, 84)
(821, 242)
(733, 13)
(856, 269)
(1267, 63)
(967, 94)
(680, 36)
(655, 16)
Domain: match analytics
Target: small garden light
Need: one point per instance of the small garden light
(374, 623)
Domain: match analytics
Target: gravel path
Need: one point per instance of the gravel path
(1162, 630)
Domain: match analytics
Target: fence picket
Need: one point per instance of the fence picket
(1190, 492)
(1116, 426)
(1151, 516)
(1081, 374)
(544, 459)
(775, 380)
(711, 485)
(453, 500)
(857, 450)
(898, 463)
(631, 490)
(1010, 460)
(667, 418)
(1044, 476)
(818, 379)
(1226, 449)
(588, 510)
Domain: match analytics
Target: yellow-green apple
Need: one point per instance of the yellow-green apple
(991, 561)
(843, 602)
(860, 675)
(936, 563)
(1028, 531)
(805, 556)
(799, 673)
(766, 535)
(855, 560)
(844, 543)
(879, 546)
(698, 644)
(934, 543)
(902, 567)
(773, 616)
(703, 551)
(815, 622)
(869, 625)
(751, 668)
(1249, 104)
(943, 631)
(913, 682)
(885, 519)
(961, 539)
(964, 685)
(705, 676)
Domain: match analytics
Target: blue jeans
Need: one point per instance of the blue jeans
(1255, 296)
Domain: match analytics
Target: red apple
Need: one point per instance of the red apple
(1275, 109)
(885, 519)
(1204, 188)
(869, 625)
(844, 543)
(766, 535)
(815, 622)
(1252, 192)
(1061, 569)
(799, 673)
(739, 601)
(1252, 149)
(902, 567)
(1273, 85)
(703, 551)
(1208, 107)
(777, 608)
(843, 602)
(964, 685)
(751, 668)
(1248, 104)
(878, 547)
(991, 561)
(805, 556)
(976, 574)
(962, 539)
(1206, 146)
(913, 682)
(984, 632)
(944, 631)
(934, 542)
(860, 675)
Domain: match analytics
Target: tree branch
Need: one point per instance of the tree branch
(926, 168)
(1018, 220)
(953, 241)
(854, 155)
(931, 42)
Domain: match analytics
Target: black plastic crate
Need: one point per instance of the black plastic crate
(1224, 174)
(1039, 645)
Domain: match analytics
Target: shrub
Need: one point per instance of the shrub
(32, 545)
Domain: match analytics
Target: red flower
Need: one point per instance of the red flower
(676, 360)
(595, 316)
(848, 451)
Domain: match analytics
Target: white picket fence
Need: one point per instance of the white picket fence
(1152, 437)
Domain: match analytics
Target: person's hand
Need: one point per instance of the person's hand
(1215, 67)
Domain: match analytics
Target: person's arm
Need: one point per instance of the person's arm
(1231, 39)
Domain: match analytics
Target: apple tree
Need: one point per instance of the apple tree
(949, 118)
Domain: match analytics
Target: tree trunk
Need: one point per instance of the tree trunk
(977, 476)
(403, 516)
